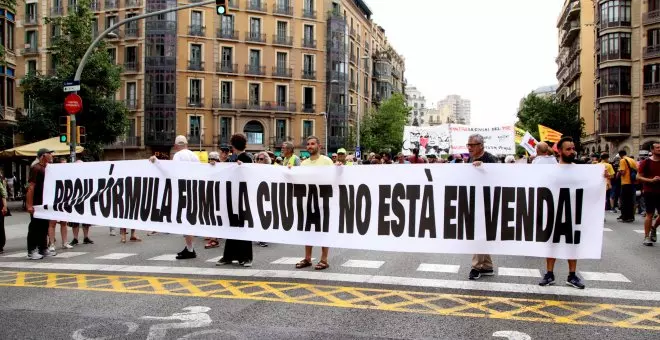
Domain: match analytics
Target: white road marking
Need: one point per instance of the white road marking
(115, 256)
(512, 335)
(215, 259)
(503, 271)
(535, 289)
(70, 254)
(438, 268)
(596, 276)
(166, 257)
(289, 260)
(17, 255)
(363, 264)
(607, 229)
(639, 231)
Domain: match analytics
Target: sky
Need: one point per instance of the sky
(491, 52)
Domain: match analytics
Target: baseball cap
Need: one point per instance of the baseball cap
(181, 140)
(214, 156)
(225, 147)
(44, 151)
(341, 151)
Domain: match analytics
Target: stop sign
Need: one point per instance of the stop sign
(72, 104)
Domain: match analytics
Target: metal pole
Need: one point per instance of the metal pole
(98, 39)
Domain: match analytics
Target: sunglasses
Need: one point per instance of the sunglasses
(261, 159)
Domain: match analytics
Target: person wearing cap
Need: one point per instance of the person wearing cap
(289, 157)
(341, 157)
(183, 154)
(37, 238)
(225, 150)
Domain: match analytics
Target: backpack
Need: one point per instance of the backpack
(633, 172)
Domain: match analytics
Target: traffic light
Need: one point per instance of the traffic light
(80, 135)
(65, 129)
(221, 7)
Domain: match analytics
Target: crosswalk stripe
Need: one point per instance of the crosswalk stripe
(607, 229)
(289, 260)
(70, 254)
(438, 268)
(215, 259)
(17, 255)
(115, 256)
(166, 257)
(639, 231)
(525, 272)
(363, 264)
(596, 276)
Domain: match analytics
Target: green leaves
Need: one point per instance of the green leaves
(382, 128)
(553, 113)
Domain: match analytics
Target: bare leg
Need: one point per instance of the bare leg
(550, 264)
(189, 242)
(51, 232)
(64, 233)
(308, 253)
(324, 254)
(572, 265)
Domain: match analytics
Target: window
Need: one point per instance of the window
(225, 93)
(255, 94)
(653, 37)
(308, 128)
(615, 46)
(254, 132)
(112, 52)
(282, 29)
(195, 90)
(615, 118)
(651, 74)
(194, 126)
(653, 112)
(654, 5)
(130, 54)
(308, 99)
(255, 58)
(280, 129)
(196, 19)
(131, 27)
(31, 12)
(615, 81)
(31, 66)
(255, 27)
(615, 13)
(131, 95)
(95, 28)
(10, 92)
(227, 56)
(196, 53)
(227, 24)
(308, 32)
(31, 39)
(308, 63)
(110, 20)
(132, 131)
(281, 60)
(280, 95)
(10, 36)
(225, 130)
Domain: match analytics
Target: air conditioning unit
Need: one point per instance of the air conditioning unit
(27, 46)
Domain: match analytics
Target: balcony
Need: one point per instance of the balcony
(255, 105)
(224, 103)
(367, 47)
(111, 5)
(131, 32)
(570, 33)
(308, 13)
(227, 34)
(31, 19)
(308, 108)
(309, 74)
(651, 129)
(56, 11)
(131, 104)
(159, 138)
(352, 86)
(197, 30)
(308, 43)
(280, 9)
(573, 96)
(30, 50)
(195, 101)
(652, 89)
(614, 129)
(352, 32)
(255, 37)
(125, 142)
(195, 65)
(282, 72)
(133, 3)
(651, 52)
(95, 6)
(224, 67)
(256, 6)
(652, 17)
(282, 40)
(353, 59)
(7, 115)
(255, 70)
(277, 141)
(131, 66)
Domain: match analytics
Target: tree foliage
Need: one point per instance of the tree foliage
(550, 112)
(104, 118)
(382, 128)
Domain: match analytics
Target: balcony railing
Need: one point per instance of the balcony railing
(30, 50)
(281, 9)
(651, 128)
(125, 142)
(223, 67)
(111, 4)
(309, 13)
(308, 43)
(573, 96)
(195, 65)
(32, 19)
(131, 66)
(227, 34)
(133, 3)
(282, 40)
(308, 108)
(277, 141)
(652, 89)
(256, 6)
(56, 11)
(282, 72)
(227, 103)
(197, 30)
(265, 106)
(651, 17)
(132, 103)
(352, 32)
(256, 70)
(651, 52)
(195, 102)
(309, 74)
(95, 5)
(234, 4)
(255, 37)
(353, 59)
(131, 32)
(353, 86)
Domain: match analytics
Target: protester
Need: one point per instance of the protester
(37, 237)
(341, 158)
(544, 154)
(75, 229)
(627, 166)
(3, 212)
(604, 160)
(649, 176)
(289, 157)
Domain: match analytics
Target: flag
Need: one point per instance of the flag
(519, 135)
(549, 135)
(529, 143)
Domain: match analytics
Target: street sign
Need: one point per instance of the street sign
(72, 104)
(358, 154)
(71, 86)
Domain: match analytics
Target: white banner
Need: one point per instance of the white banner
(430, 140)
(544, 211)
(498, 140)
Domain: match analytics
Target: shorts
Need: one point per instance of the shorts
(652, 201)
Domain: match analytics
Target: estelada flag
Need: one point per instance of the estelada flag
(549, 135)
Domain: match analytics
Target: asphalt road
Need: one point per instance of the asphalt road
(626, 276)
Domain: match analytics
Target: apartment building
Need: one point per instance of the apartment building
(456, 109)
(8, 78)
(576, 61)
(417, 102)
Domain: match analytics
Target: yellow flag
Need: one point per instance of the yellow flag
(549, 135)
(202, 155)
(519, 135)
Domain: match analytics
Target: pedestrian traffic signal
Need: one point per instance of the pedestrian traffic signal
(221, 7)
(65, 129)
(81, 137)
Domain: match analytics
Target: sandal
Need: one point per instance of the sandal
(152, 233)
(322, 265)
(123, 238)
(304, 263)
(135, 239)
(212, 244)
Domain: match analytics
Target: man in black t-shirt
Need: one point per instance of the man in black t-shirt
(37, 239)
(482, 264)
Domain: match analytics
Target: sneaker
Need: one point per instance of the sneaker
(186, 254)
(34, 255)
(246, 263)
(222, 262)
(74, 242)
(51, 248)
(647, 241)
(486, 272)
(113, 232)
(574, 281)
(49, 253)
(654, 234)
(548, 279)
(87, 240)
(263, 244)
(67, 246)
(474, 274)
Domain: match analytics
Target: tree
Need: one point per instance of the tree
(550, 112)
(382, 128)
(104, 118)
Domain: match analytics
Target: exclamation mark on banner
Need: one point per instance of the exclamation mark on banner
(216, 189)
(579, 195)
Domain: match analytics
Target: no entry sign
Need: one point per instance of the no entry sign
(72, 104)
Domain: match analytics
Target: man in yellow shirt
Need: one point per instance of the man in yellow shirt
(604, 159)
(626, 166)
(341, 157)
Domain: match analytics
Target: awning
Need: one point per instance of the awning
(30, 150)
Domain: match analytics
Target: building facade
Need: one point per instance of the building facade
(417, 102)
(264, 70)
(8, 78)
(456, 109)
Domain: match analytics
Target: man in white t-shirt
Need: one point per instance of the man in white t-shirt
(544, 154)
(182, 154)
